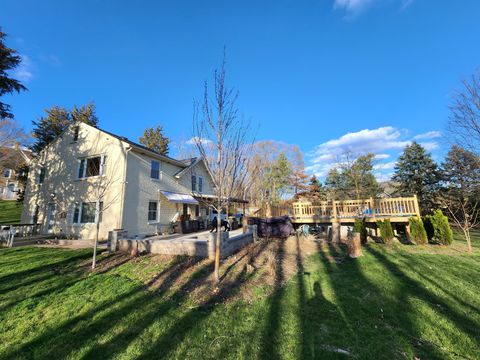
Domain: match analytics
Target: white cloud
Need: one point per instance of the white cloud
(352, 6)
(24, 72)
(385, 142)
(195, 140)
(385, 166)
(360, 142)
(355, 7)
(428, 135)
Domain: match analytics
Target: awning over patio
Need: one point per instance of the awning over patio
(179, 198)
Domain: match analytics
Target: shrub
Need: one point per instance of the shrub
(442, 231)
(386, 230)
(428, 225)
(417, 230)
(360, 226)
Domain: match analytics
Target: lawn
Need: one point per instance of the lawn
(10, 212)
(395, 302)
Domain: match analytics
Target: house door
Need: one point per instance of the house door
(52, 211)
(10, 191)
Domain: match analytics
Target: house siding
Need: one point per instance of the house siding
(60, 160)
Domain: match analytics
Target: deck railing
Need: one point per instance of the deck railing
(368, 208)
(10, 231)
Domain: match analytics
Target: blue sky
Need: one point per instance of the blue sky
(327, 75)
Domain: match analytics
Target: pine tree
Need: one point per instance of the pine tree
(461, 173)
(316, 191)
(57, 119)
(154, 139)
(9, 60)
(417, 174)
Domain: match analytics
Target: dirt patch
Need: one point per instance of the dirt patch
(255, 271)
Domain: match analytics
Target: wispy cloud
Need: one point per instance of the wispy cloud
(24, 72)
(428, 135)
(355, 7)
(195, 140)
(385, 142)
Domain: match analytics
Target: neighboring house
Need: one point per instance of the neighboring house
(88, 174)
(11, 158)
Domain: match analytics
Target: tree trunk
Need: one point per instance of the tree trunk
(94, 261)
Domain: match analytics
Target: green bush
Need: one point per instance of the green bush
(360, 226)
(417, 230)
(428, 225)
(442, 231)
(386, 230)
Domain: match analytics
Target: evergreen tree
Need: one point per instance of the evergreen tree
(360, 182)
(277, 177)
(417, 173)
(461, 173)
(57, 119)
(154, 139)
(315, 189)
(354, 180)
(335, 184)
(9, 60)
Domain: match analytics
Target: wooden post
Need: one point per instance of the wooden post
(372, 208)
(417, 208)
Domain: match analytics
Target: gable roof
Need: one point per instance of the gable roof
(194, 162)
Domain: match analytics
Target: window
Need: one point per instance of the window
(200, 184)
(194, 183)
(76, 214)
(76, 132)
(41, 175)
(88, 212)
(152, 211)
(155, 170)
(35, 215)
(93, 166)
(197, 211)
(7, 173)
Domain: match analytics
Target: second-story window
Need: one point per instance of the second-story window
(200, 184)
(76, 132)
(155, 170)
(41, 175)
(194, 183)
(7, 173)
(92, 166)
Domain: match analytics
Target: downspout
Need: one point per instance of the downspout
(124, 185)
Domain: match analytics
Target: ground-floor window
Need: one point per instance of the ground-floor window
(152, 211)
(86, 212)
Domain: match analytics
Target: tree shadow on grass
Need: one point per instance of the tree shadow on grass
(113, 325)
(371, 314)
(412, 288)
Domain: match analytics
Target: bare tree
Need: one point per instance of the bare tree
(464, 213)
(464, 122)
(101, 193)
(11, 133)
(222, 139)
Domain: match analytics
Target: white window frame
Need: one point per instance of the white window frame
(157, 212)
(79, 205)
(9, 173)
(193, 179)
(159, 169)
(200, 181)
(84, 171)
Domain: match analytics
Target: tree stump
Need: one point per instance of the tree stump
(355, 246)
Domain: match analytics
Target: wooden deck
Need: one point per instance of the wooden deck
(347, 211)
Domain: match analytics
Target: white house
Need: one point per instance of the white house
(89, 174)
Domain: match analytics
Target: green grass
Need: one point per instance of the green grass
(392, 303)
(10, 212)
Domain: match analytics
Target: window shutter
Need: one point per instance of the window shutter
(81, 168)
